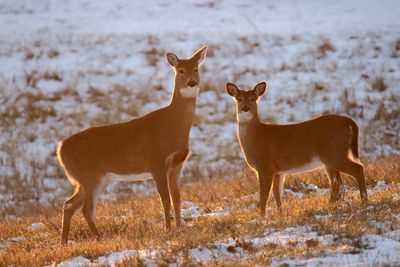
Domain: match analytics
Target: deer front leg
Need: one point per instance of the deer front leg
(174, 188)
(265, 178)
(175, 163)
(160, 179)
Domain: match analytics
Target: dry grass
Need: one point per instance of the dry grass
(137, 223)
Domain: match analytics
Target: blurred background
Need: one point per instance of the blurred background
(68, 65)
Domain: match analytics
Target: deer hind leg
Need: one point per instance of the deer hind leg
(91, 198)
(70, 207)
(355, 169)
(336, 183)
(160, 179)
(175, 165)
(265, 179)
(277, 190)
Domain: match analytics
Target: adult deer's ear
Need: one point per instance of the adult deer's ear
(232, 89)
(200, 55)
(260, 88)
(172, 59)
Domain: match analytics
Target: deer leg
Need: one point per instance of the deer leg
(70, 207)
(355, 169)
(88, 213)
(277, 190)
(162, 187)
(175, 165)
(174, 190)
(336, 183)
(92, 195)
(265, 179)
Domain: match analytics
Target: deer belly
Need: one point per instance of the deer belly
(315, 163)
(129, 177)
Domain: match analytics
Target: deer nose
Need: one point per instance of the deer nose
(191, 82)
(245, 108)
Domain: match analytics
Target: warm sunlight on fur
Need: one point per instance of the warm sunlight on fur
(155, 145)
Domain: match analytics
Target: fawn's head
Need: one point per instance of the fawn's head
(187, 77)
(246, 101)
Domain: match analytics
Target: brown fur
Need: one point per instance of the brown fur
(276, 149)
(157, 143)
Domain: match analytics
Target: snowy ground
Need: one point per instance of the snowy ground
(318, 249)
(68, 65)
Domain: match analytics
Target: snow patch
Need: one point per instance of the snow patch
(79, 261)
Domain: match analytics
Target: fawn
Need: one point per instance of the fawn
(329, 141)
(155, 145)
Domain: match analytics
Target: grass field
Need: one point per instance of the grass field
(222, 225)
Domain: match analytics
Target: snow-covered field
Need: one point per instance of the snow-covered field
(69, 65)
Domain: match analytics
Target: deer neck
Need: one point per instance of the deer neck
(247, 127)
(182, 108)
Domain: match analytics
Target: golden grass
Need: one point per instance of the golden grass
(138, 222)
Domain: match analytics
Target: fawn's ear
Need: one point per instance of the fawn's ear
(259, 89)
(172, 59)
(200, 55)
(232, 89)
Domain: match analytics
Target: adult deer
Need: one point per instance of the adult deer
(329, 141)
(153, 146)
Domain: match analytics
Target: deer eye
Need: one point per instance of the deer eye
(252, 99)
(181, 71)
(239, 99)
(196, 70)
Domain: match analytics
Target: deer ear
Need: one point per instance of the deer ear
(259, 89)
(232, 89)
(172, 59)
(200, 55)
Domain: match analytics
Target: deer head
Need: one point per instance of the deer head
(187, 80)
(246, 101)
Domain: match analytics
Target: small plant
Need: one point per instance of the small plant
(29, 55)
(378, 84)
(153, 56)
(325, 47)
(53, 53)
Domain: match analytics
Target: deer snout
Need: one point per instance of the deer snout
(191, 82)
(245, 108)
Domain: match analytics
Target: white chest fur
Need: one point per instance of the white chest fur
(244, 117)
(129, 177)
(190, 92)
(315, 163)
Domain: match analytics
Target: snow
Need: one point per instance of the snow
(117, 257)
(291, 192)
(190, 210)
(92, 73)
(69, 65)
(216, 250)
(298, 234)
(380, 251)
(79, 261)
(37, 226)
(380, 185)
(122, 17)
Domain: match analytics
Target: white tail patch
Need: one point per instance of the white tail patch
(315, 163)
(129, 177)
(190, 92)
(244, 117)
